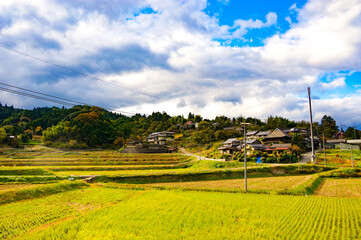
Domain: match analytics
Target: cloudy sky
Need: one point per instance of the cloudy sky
(216, 57)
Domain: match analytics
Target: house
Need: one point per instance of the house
(355, 143)
(278, 136)
(304, 132)
(234, 145)
(160, 138)
(253, 145)
(343, 144)
(263, 134)
(230, 146)
(189, 124)
(251, 134)
(278, 148)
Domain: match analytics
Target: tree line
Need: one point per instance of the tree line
(89, 126)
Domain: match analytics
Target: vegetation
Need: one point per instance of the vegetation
(199, 199)
(337, 158)
(83, 127)
(40, 191)
(203, 215)
(349, 187)
(18, 218)
(271, 183)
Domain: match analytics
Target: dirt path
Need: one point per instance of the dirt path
(185, 152)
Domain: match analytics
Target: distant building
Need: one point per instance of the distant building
(278, 136)
(251, 134)
(161, 138)
(230, 146)
(263, 134)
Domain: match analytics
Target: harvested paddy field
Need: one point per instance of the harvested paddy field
(274, 183)
(349, 187)
(128, 214)
(10, 187)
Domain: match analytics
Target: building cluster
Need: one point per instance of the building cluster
(272, 141)
(161, 138)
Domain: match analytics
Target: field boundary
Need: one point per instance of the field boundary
(24, 194)
(217, 174)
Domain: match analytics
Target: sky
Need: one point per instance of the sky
(216, 57)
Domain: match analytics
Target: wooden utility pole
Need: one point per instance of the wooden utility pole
(324, 148)
(311, 125)
(245, 155)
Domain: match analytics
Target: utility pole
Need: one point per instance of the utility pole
(245, 155)
(352, 157)
(311, 126)
(324, 148)
(341, 138)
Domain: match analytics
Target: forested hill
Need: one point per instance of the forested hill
(90, 126)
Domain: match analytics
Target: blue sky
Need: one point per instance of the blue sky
(217, 57)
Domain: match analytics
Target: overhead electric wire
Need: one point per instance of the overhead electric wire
(35, 96)
(49, 98)
(44, 94)
(75, 71)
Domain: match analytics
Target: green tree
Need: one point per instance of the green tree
(299, 141)
(328, 126)
(352, 133)
(3, 135)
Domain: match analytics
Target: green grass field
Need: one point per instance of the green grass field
(173, 198)
(100, 213)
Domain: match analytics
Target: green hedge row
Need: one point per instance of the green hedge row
(41, 191)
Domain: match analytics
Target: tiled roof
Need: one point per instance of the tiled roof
(277, 133)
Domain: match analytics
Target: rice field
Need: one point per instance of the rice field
(10, 187)
(87, 158)
(349, 187)
(17, 219)
(182, 215)
(270, 183)
(335, 157)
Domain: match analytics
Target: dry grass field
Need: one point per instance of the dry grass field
(350, 187)
(273, 183)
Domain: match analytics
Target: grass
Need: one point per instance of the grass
(203, 215)
(350, 187)
(18, 219)
(9, 187)
(209, 206)
(337, 158)
(270, 183)
(39, 191)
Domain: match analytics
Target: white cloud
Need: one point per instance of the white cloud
(336, 83)
(171, 53)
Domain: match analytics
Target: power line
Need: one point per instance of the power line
(66, 102)
(35, 96)
(5, 84)
(75, 71)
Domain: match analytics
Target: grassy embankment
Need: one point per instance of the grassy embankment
(337, 158)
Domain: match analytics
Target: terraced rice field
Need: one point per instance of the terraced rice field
(11, 187)
(87, 158)
(127, 214)
(18, 218)
(273, 183)
(335, 157)
(350, 187)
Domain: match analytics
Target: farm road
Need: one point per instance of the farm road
(183, 151)
(305, 157)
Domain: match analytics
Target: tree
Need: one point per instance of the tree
(299, 141)
(3, 135)
(352, 133)
(328, 126)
